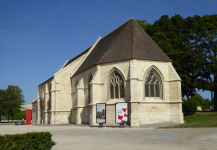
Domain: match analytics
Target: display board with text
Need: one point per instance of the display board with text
(100, 113)
(121, 112)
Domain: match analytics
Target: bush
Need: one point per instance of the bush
(189, 107)
(200, 101)
(34, 140)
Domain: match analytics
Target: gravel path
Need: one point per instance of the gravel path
(112, 138)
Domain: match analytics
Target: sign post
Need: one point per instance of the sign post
(101, 113)
(28, 116)
(121, 113)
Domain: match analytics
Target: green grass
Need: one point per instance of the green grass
(19, 116)
(200, 120)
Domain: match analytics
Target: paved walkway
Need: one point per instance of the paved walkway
(108, 138)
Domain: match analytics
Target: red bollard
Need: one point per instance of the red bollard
(28, 116)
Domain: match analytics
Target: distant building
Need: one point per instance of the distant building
(26, 106)
(124, 66)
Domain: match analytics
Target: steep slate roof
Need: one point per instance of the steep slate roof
(79, 55)
(129, 41)
(69, 62)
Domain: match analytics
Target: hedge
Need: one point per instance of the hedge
(33, 140)
(189, 107)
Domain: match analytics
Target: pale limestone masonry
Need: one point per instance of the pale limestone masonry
(64, 98)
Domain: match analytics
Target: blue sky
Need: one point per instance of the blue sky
(38, 36)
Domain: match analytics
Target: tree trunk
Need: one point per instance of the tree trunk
(0, 118)
(215, 92)
(12, 117)
(8, 117)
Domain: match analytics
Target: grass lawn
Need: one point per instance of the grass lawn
(200, 120)
(19, 116)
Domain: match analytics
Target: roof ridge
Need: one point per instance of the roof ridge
(114, 40)
(128, 41)
(155, 43)
(77, 56)
(115, 29)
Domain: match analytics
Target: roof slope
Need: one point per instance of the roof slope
(76, 57)
(129, 41)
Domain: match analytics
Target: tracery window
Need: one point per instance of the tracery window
(89, 87)
(153, 85)
(116, 86)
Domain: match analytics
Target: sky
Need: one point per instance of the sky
(37, 37)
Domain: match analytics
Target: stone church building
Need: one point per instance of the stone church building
(124, 66)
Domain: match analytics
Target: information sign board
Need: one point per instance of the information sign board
(28, 116)
(121, 112)
(100, 113)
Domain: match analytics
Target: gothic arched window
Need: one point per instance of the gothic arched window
(153, 85)
(116, 86)
(89, 87)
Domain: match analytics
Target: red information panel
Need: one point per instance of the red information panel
(121, 112)
(28, 116)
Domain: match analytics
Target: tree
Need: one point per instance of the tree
(199, 100)
(204, 37)
(14, 100)
(172, 36)
(143, 24)
(207, 103)
(2, 102)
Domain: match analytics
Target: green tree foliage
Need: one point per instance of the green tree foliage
(172, 36)
(204, 38)
(11, 100)
(143, 24)
(192, 45)
(2, 102)
(207, 103)
(200, 101)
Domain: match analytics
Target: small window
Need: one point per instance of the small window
(116, 86)
(153, 85)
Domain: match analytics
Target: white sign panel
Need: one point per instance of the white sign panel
(100, 113)
(121, 113)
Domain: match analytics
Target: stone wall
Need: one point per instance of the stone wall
(144, 110)
(69, 95)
